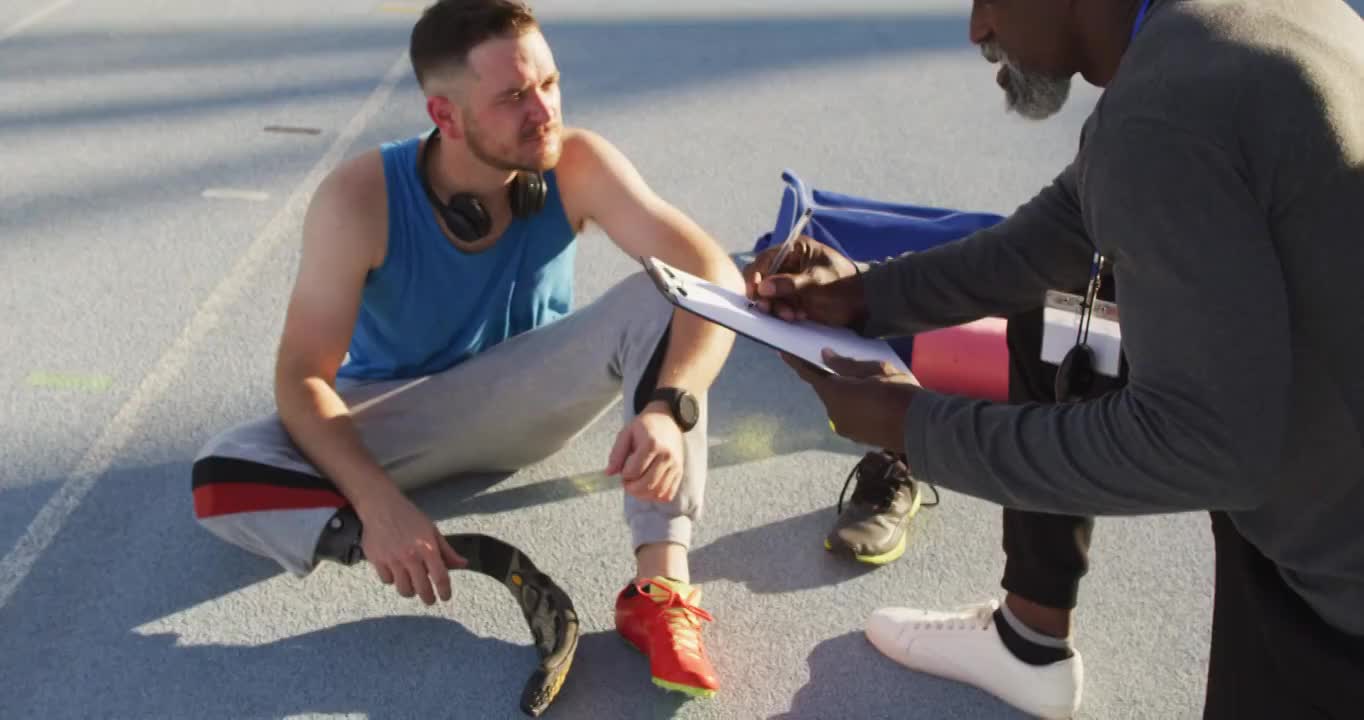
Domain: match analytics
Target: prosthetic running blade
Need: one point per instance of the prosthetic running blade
(547, 608)
(548, 611)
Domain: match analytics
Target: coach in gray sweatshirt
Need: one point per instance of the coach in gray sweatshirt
(1221, 177)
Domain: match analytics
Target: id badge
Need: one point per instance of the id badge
(1061, 321)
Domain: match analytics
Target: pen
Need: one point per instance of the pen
(790, 240)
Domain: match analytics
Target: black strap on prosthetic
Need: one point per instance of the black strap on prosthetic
(548, 610)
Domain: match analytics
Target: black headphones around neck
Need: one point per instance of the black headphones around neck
(464, 213)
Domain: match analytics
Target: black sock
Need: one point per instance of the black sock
(1027, 650)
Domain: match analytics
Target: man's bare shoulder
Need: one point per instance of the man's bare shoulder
(585, 173)
(350, 207)
(591, 165)
(584, 153)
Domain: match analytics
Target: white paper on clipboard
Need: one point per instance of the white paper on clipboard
(803, 339)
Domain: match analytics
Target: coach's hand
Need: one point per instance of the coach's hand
(866, 401)
(815, 282)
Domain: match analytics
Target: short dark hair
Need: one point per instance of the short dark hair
(449, 29)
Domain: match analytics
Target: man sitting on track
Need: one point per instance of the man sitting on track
(429, 334)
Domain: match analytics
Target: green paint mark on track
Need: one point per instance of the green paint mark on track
(61, 381)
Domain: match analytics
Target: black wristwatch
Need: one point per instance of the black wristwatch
(682, 404)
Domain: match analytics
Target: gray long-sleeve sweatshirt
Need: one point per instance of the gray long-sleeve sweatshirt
(1222, 173)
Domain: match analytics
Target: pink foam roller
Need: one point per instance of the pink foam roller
(970, 360)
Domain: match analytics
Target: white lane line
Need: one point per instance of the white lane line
(235, 194)
(32, 18)
(16, 565)
(293, 130)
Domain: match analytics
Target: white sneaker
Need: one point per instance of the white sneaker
(965, 646)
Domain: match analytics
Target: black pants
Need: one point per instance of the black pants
(1046, 555)
(1272, 656)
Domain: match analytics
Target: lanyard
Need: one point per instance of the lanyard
(1096, 266)
(1091, 297)
(1141, 18)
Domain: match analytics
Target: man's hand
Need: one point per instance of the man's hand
(867, 400)
(648, 455)
(815, 282)
(406, 549)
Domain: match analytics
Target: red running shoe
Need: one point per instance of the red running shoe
(662, 619)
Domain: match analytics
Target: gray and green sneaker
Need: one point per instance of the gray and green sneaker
(874, 528)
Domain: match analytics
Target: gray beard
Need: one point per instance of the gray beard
(1033, 95)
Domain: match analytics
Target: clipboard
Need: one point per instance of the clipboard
(802, 339)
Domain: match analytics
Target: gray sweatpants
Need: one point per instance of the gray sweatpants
(511, 406)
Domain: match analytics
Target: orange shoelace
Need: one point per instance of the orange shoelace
(683, 617)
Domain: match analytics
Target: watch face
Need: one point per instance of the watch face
(688, 411)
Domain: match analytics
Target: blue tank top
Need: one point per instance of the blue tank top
(431, 306)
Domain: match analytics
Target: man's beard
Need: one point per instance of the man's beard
(474, 138)
(1031, 94)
